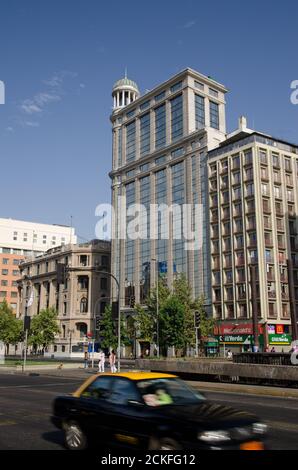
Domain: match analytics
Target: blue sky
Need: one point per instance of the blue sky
(59, 60)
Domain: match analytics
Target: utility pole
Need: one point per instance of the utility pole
(254, 305)
(292, 300)
(157, 305)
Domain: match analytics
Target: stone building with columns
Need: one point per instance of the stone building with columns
(160, 145)
(79, 301)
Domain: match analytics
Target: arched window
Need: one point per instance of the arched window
(84, 305)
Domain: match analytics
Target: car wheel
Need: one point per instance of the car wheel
(75, 438)
(164, 443)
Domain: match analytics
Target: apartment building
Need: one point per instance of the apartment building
(253, 207)
(160, 145)
(79, 301)
(20, 239)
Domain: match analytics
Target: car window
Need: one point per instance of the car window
(123, 391)
(160, 392)
(99, 389)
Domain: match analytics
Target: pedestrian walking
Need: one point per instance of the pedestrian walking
(85, 360)
(112, 360)
(101, 362)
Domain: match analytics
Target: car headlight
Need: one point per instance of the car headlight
(214, 436)
(259, 428)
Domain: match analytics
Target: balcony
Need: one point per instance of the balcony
(214, 219)
(281, 245)
(239, 246)
(284, 278)
(270, 277)
(240, 262)
(252, 243)
(251, 226)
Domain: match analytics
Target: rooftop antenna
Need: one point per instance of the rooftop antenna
(125, 72)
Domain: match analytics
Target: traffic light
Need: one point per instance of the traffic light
(132, 301)
(115, 311)
(97, 323)
(27, 322)
(197, 319)
(61, 273)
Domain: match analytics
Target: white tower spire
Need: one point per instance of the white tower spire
(125, 91)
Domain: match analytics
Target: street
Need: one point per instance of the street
(25, 408)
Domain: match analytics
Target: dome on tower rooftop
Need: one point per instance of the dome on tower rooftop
(125, 82)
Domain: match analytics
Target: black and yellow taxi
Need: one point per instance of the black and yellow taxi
(151, 411)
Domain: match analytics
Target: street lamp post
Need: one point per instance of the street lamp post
(157, 306)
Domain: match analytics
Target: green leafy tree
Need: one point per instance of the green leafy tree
(172, 319)
(145, 323)
(109, 333)
(44, 328)
(10, 327)
(183, 292)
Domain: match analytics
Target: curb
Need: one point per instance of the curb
(276, 392)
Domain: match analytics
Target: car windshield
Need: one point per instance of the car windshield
(160, 392)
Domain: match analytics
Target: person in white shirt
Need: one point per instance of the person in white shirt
(101, 362)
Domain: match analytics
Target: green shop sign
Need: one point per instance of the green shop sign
(280, 340)
(235, 339)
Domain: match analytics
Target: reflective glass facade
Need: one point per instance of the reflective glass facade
(177, 117)
(145, 134)
(160, 126)
(131, 142)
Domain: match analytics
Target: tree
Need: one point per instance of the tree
(10, 327)
(44, 328)
(183, 292)
(172, 318)
(109, 333)
(145, 323)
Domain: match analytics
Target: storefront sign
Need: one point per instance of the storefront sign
(232, 329)
(235, 339)
(280, 340)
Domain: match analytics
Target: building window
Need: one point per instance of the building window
(104, 283)
(160, 96)
(84, 305)
(4, 283)
(160, 160)
(145, 134)
(5, 272)
(176, 87)
(199, 111)
(213, 93)
(144, 105)
(160, 126)
(83, 260)
(177, 117)
(178, 152)
(3, 293)
(5, 261)
(199, 85)
(214, 115)
(144, 167)
(131, 141)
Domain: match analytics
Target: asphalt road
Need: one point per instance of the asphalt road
(25, 408)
